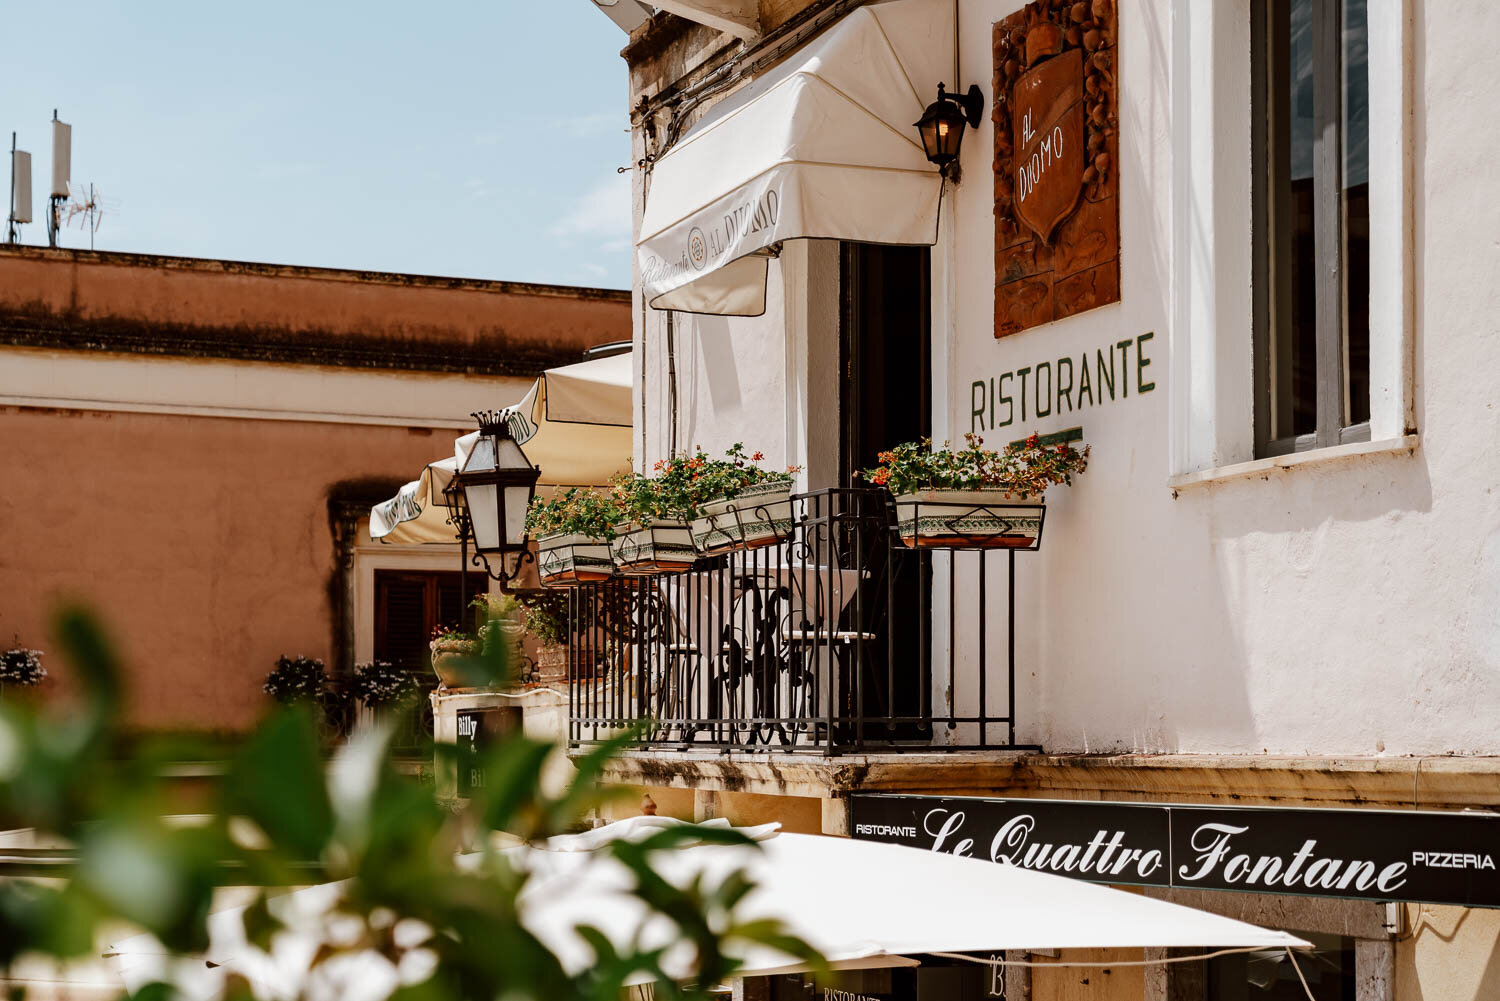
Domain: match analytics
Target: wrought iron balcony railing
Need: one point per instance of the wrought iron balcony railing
(837, 638)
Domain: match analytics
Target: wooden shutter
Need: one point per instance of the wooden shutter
(409, 605)
(401, 616)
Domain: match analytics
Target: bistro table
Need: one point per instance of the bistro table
(766, 632)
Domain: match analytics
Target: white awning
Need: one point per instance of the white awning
(821, 146)
(574, 423)
(862, 904)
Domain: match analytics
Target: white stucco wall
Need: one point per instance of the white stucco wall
(1346, 606)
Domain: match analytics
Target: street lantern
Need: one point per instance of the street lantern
(498, 483)
(942, 124)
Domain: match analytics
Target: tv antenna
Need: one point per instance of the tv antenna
(62, 169)
(20, 192)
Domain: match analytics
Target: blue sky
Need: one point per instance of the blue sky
(477, 139)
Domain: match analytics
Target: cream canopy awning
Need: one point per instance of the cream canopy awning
(574, 424)
(821, 146)
(861, 904)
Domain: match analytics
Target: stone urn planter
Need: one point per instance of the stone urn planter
(969, 519)
(552, 664)
(566, 559)
(663, 545)
(759, 515)
(450, 660)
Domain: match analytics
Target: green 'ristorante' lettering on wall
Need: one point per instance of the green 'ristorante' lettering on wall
(1061, 386)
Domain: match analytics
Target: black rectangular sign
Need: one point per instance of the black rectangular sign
(1446, 858)
(478, 731)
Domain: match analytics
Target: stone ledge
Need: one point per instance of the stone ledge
(1379, 783)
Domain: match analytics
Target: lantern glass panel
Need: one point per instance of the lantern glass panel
(517, 497)
(484, 501)
(928, 130)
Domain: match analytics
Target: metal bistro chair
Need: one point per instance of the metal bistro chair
(671, 662)
(841, 610)
(753, 658)
(654, 663)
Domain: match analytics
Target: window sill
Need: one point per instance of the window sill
(1261, 467)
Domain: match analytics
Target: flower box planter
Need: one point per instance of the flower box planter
(451, 659)
(969, 519)
(759, 515)
(664, 545)
(566, 559)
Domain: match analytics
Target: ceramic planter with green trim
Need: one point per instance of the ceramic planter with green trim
(568, 558)
(969, 519)
(663, 545)
(759, 515)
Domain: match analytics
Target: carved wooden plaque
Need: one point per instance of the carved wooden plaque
(1057, 215)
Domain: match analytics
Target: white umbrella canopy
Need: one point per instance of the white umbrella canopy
(861, 904)
(574, 424)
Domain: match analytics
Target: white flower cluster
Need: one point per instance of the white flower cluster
(21, 666)
(295, 679)
(383, 683)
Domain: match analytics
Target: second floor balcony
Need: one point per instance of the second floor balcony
(836, 638)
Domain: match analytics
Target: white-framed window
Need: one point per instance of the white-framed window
(1291, 211)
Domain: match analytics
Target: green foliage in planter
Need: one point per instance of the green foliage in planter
(383, 684)
(546, 617)
(1022, 469)
(680, 486)
(22, 667)
(295, 679)
(576, 511)
(454, 925)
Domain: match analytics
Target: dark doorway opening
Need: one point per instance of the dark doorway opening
(409, 605)
(885, 355)
(885, 398)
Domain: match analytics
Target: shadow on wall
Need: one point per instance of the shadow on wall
(1136, 667)
(717, 350)
(1303, 498)
(1453, 954)
(1303, 561)
(705, 351)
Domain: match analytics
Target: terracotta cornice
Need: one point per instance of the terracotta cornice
(493, 356)
(205, 265)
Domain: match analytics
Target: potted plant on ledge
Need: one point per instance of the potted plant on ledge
(974, 497)
(573, 530)
(656, 534)
(748, 506)
(453, 654)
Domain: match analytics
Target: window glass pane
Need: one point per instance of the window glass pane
(1293, 312)
(1268, 975)
(1355, 196)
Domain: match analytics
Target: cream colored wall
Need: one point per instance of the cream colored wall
(193, 387)
(1450, 954)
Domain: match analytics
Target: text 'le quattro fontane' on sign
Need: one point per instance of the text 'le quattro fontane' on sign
(1062, 385)
(1215, 859)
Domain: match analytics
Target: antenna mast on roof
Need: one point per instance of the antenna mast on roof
(20, 192)
(62, 169)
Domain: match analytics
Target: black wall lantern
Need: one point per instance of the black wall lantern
(498, 483)
(942, 125)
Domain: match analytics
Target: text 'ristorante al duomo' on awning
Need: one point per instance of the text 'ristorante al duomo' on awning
(822, 146)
